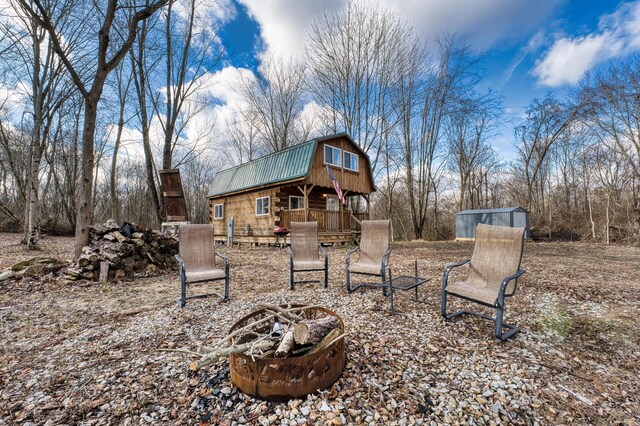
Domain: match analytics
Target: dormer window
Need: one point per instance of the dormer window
(332, 156)
(351, 161)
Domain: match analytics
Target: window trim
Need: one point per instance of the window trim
(325, 155)
(296, 196)
(221, 209)
(344, 163)
(268, 213)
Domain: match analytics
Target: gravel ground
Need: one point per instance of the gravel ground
(88, 353)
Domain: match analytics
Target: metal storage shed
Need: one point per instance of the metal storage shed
(515, 217)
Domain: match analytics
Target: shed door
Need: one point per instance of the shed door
(519, 220)
(173, 196)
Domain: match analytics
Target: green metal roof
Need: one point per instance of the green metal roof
(288, 164)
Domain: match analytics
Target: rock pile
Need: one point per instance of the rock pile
(112, 255)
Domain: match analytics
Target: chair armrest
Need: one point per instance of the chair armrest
(350, 253)
(448, 268)
(385, 258)
(507, 280)
(224, 258)
(181, 269)
(386, 254)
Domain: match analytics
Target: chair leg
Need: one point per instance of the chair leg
(291, 276)
(226, 284)
(348, 279)
(500, 324)
(384, 278)
(326, 273)
(183, 292)
(443, 305)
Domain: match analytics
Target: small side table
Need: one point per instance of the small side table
(404, 283)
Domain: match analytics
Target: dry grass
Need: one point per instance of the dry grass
(88, 352)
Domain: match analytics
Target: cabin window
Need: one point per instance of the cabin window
(296, 202)
(332, 156)
(262, 206)
(350, 161)
(218, 211)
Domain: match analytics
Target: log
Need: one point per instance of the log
(118, 236)
(104, 271)
(211, 357)
(326, 340)
(286, 344)
(312, 331)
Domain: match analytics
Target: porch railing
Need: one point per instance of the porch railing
(331, 221)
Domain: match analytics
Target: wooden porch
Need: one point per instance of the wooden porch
(328, 221)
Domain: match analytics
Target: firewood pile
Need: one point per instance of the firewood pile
(282, 332)
(112, 255)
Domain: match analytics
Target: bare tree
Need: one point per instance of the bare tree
(242, 140)
(32, 56)
(546, 120)
(123, 83)
(424, 122)
(471, 156)
(142, 68)
(351, 57)
(614, 98)
(275, 100)
(191, 50)
(90, 84)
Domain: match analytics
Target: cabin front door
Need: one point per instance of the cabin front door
(333, 213)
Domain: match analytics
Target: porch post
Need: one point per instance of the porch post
(340, 213)
(366, 197)
(305, 201)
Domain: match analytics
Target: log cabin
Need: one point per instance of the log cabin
(293, 185)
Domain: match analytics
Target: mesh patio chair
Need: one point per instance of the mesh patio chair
(303, 252)
(493, 274)
(197, 261)
(373, 251)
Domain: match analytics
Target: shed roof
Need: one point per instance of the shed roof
(497, 210)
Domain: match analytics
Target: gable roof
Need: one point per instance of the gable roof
(496, 210)
(288, 164)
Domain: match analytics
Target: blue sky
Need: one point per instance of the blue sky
(527, 47)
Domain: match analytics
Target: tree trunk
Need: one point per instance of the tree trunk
(85, 194)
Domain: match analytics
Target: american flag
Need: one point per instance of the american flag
(336, 186)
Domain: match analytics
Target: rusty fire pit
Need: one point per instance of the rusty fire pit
(279, 379)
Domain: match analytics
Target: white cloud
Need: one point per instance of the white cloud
(284, 23)
(209, 15)
(569, 58)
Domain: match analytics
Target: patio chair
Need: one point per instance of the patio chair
(197, 261)
(493, 274)
(303, 252)
(373, 251)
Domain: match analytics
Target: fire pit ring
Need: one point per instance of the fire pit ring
(281, 379)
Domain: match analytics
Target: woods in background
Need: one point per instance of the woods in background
(92, 120)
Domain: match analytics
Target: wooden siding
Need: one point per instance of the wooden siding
(242, 207)
(360, 182)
